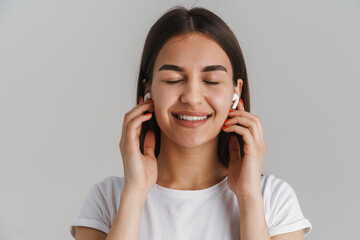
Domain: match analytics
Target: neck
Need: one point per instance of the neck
(189, 168)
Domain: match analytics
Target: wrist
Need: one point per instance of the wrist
(131, 190)
(251, 197)
(133, 196)
(253, 204)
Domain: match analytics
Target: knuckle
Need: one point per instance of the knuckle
(131, 125)
(253, 124)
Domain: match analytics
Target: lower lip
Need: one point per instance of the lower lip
(190, 124)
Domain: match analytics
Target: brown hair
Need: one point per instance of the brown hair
(178, 21)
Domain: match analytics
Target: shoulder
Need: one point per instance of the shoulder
(110, 185)
(272, 185)
(270, 179)
(100, 205)
(278, 194)
(282, 209)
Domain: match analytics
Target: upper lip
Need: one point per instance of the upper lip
(190, 113)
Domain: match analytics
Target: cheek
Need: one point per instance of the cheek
(220, 104)
(162, 102)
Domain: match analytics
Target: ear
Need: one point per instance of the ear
(238, 87)
(146, 86)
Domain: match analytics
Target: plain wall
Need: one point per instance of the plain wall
(67, 77)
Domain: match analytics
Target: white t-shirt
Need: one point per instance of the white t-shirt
(210, 213)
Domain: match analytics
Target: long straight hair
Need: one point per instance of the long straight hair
(179, 21)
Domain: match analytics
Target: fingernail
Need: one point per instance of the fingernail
(148, 114)
(224, 127)
(140, 98)
(231, 110)
(242, 103)
(226, 120)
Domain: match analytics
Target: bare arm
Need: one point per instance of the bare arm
(296, 235)
(253, 224)
(252, 218)
(126, 224)
(86, 233)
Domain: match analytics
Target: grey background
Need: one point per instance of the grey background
(67, 77)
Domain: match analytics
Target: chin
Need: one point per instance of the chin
(191, 140)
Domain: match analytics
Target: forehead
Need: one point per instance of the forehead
(193, 50)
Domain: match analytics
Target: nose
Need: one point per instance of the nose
(192, 93)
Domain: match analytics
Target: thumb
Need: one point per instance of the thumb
(149, 144)
(234, 148)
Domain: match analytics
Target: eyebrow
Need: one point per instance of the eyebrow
(205, 69)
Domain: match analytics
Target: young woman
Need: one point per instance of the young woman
(192, 153)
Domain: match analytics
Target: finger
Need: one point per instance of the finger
(242, 111)
(135, 112)
(150, 100)
(240, 106)
(134, 127)
(252, 125)
(149, 144)
(243, 131)
(234, 149)
(131, 136)
(249, 116)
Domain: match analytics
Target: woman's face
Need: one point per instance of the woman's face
(192, 80)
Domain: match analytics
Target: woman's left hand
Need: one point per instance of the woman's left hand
(244, 173)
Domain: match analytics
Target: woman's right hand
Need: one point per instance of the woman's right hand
(140, 170)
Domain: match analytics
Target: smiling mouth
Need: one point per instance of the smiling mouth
(191, 118)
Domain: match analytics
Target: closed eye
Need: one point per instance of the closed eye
(173, 82)
(211, 83)
(207, 82)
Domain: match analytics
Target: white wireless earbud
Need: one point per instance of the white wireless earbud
(236, 99)
(147, 96)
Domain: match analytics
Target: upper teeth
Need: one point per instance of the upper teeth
(190, 118)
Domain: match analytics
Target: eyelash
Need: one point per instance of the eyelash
(210, 83)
